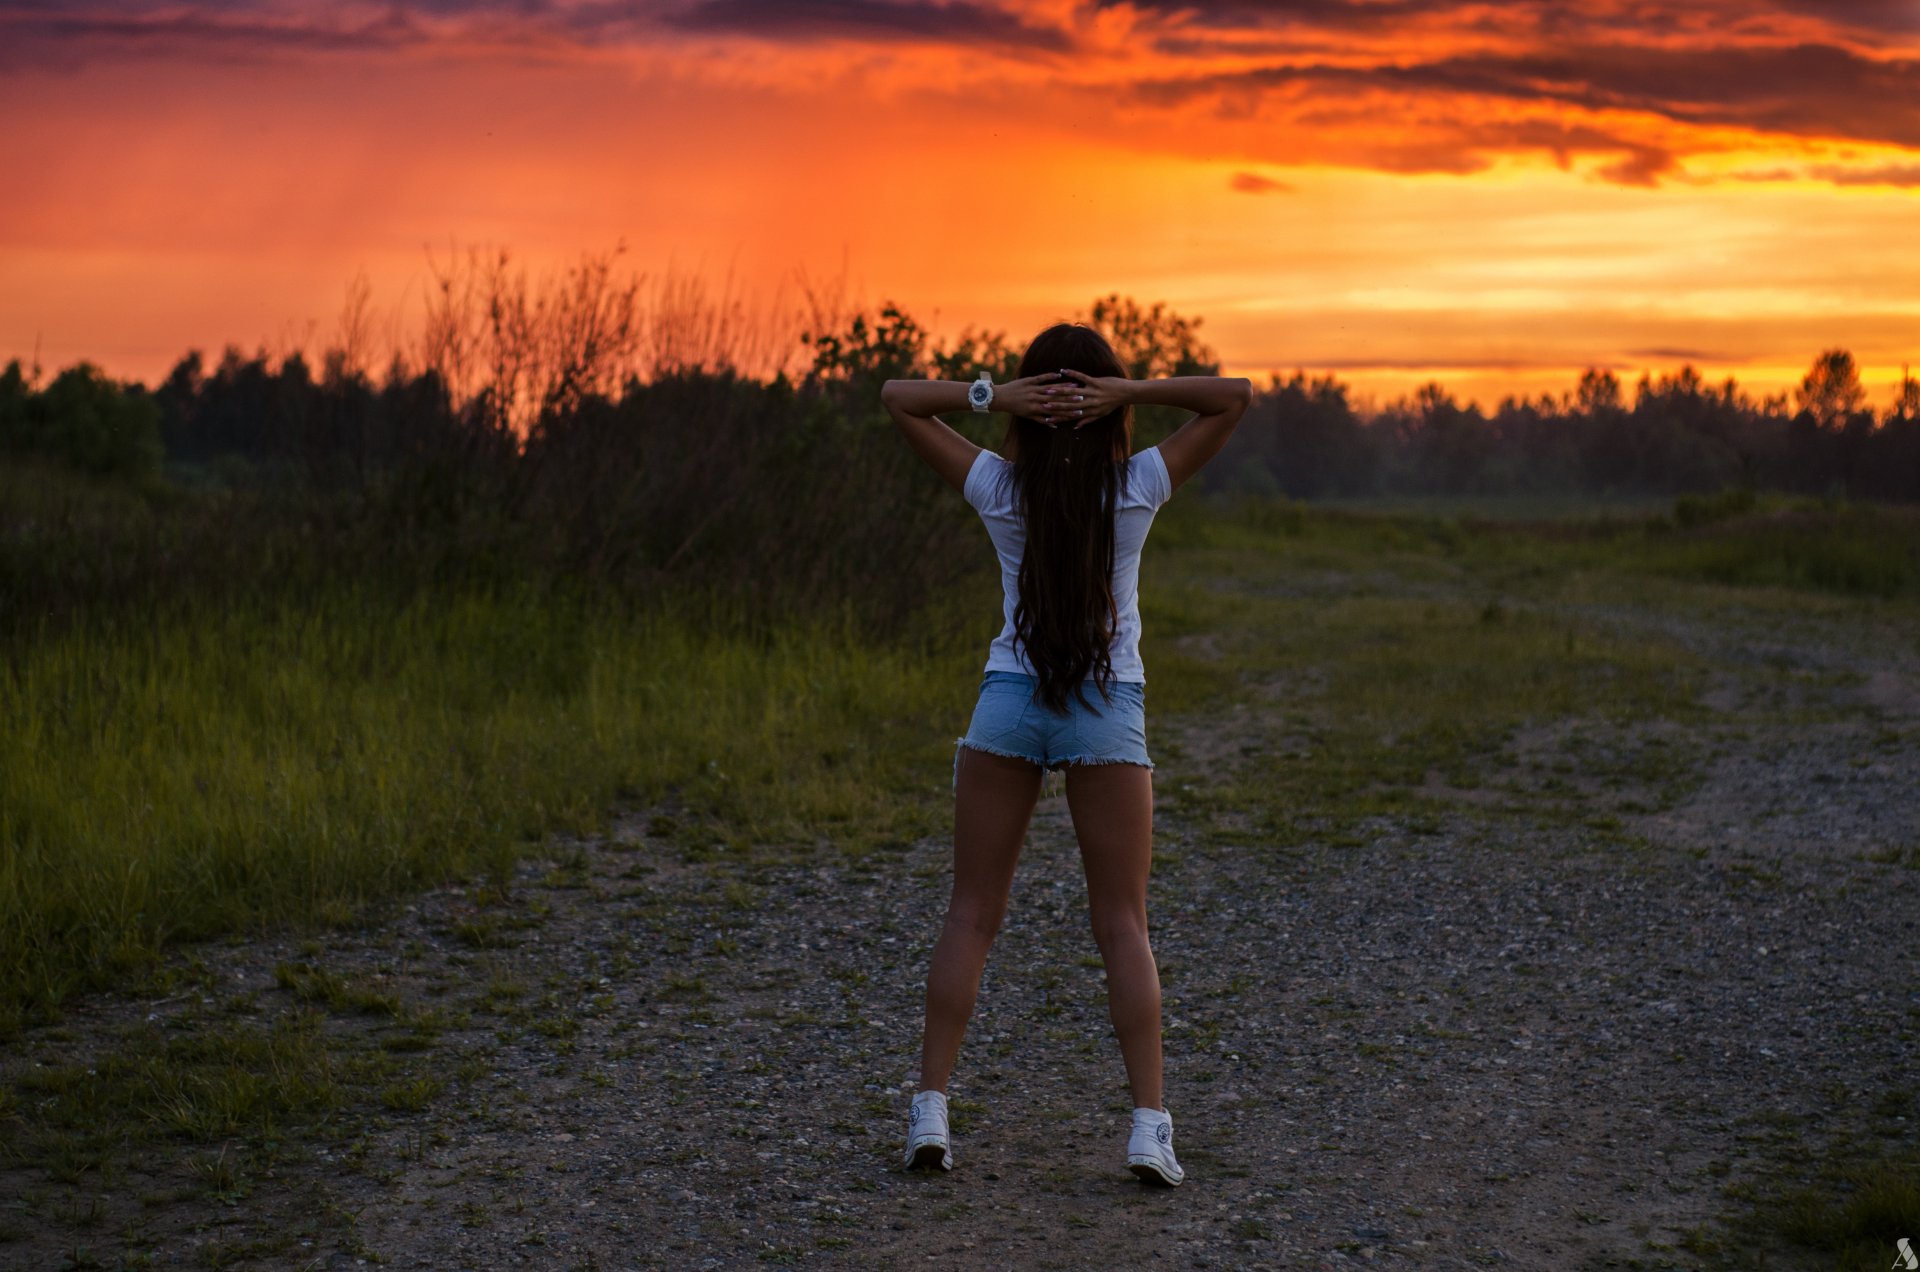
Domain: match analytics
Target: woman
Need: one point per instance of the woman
(1067, 510)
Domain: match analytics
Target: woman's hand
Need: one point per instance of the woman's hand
(1081, 398)
(1026, 397)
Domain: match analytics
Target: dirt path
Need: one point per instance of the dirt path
(1481, 1038)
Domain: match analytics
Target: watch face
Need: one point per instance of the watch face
(979, 392)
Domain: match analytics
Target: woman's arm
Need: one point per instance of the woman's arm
(1220, 401)
(913, 404)
(1206, 394)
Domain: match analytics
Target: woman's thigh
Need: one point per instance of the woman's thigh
(1112, 808)
(994, 796)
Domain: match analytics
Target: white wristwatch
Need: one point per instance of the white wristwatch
(980, 392)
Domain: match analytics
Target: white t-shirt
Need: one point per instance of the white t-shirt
(989, 488)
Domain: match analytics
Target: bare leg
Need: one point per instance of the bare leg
(1112, 807)
(992, 804)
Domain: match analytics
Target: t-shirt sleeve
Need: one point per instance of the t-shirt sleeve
(978, 487)
(1158, 487)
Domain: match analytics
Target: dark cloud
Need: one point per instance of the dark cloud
(1895, 17)
(1639, 167)
(1465, 146)
(1805, 89)
(1547, 19)
(1637, 163)
(1669, 353)
(1254, 183)
(1307, 13)
(1802, 89)
(46, 39)
(65, 35)
(957, 22)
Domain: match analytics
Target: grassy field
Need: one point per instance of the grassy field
(192, 777)
(208, 772)
(300, 762)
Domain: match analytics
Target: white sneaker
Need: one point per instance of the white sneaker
(1150, 1148)
(928, 1143)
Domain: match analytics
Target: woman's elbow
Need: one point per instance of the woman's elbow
(1242, 398)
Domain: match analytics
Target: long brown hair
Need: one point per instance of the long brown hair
(1068, 481)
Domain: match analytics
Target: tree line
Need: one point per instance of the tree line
(557, 436)
(502, 375)
(1678, 435)
(515, 441)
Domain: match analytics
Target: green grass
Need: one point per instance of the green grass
(1858, 1214)
(1392, 647)
(1859, 551)
(294, 761)
(213, 1082)
(1845, 1203)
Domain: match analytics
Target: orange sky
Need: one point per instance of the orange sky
(1489, 195)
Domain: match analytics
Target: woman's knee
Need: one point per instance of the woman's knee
(976, 922)
(1117, 927)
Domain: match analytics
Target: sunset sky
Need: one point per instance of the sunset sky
(1490, 195)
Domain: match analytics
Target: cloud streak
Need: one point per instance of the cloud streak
(953, 22)
(85, 32)
(1254, 183)
(1907, 174)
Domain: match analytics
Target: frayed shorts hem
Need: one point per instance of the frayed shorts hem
(1055, 766)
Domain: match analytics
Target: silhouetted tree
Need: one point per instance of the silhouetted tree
(1438, 445)
(974, 352)
(1829, 437)
(1151, 342)
(1891, 468)
(14, 395)
(1535, 446)
(1682, 438)
(892, 347)
(1905, 406)
(84, 419)
(1831, 392)
(1301, 437)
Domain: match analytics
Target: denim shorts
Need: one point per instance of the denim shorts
(1009, 719)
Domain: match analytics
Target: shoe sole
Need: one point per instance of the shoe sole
(1151, 1171)
(931, 1155)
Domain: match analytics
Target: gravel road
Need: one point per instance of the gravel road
(1488, 1037)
